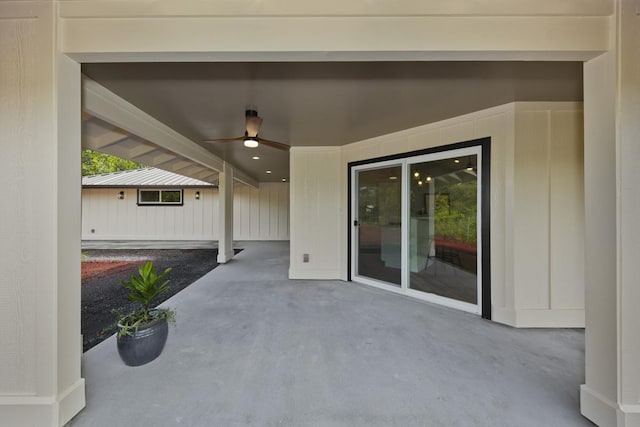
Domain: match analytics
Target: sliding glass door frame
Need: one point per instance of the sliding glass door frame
(355, 229)
(481, 148)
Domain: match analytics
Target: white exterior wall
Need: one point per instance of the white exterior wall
(262, 213)
(316, 213)
(259, 214)
(537, 214)
(548, 215)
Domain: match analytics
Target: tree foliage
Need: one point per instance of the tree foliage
(95, 163)
(456, 215)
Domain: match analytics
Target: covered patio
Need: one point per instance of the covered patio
(252, 347)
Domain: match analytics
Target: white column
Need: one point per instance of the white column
(598, 395)
(225, 214)
(628, 318)
(40, 382)
(611, 394)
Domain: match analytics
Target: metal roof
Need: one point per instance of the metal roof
(147, 177)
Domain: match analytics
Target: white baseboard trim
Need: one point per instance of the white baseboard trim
(506, 316)
(43, 411)
(329, 274)
(29, 411)
(597, 408)
(149, 244)
(530, 318)
(142, 238)
(629, 416)
(71, 402)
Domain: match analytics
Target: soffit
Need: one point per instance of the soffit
(324, 104)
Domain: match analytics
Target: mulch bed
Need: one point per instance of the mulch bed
(104, 269)
(93, 269)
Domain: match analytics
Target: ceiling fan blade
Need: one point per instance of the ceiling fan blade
(274, 144)
(240, 138)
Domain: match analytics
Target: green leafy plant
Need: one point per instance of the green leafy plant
(144, 287)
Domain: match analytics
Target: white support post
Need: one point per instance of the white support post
(41, 349)
(628, 240)
(610, 396)
(598, 395)
(225, 214)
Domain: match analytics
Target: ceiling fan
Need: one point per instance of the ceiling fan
(251, 138)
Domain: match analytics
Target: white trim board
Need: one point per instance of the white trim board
(539, 318)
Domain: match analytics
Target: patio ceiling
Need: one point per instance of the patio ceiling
(318, 104)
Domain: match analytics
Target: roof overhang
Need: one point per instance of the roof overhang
(114, 126)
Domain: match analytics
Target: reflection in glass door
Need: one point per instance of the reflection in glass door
(443, 227)
(378, 231)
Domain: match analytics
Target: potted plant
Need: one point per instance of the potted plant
(143, 333)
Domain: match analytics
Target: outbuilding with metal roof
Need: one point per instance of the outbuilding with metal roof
(153, 205)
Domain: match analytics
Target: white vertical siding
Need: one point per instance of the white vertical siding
(259, 214)
(537, 206)
(316, 213)
(549, 215)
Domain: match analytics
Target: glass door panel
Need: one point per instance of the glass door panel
(379, 230)
(443, 226)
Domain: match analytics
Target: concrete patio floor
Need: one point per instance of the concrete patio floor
(252, 348)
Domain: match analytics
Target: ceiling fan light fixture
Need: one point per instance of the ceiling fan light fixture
(250, 138)
(250, 142)
(469, 165)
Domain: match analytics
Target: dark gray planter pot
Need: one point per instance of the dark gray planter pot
(145, 344)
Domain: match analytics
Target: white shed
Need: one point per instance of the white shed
(152, 204)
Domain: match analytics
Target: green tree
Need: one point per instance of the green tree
(457, 217)
(94, 163)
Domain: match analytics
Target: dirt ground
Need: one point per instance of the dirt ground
(102, 292)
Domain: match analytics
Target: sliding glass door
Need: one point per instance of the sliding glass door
(417, 226)
(443, 227)
(378, 227)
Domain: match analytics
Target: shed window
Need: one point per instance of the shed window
(160, 197)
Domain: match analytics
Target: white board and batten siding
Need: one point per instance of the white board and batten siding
(259, 214)
(537, 206)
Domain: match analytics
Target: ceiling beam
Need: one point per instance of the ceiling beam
(325, 38)
(104, 140)
(204, 174)
(190, 170)
(141, 149)
(176, 165)
(212, 178)
(105, 105)
(163, 160)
